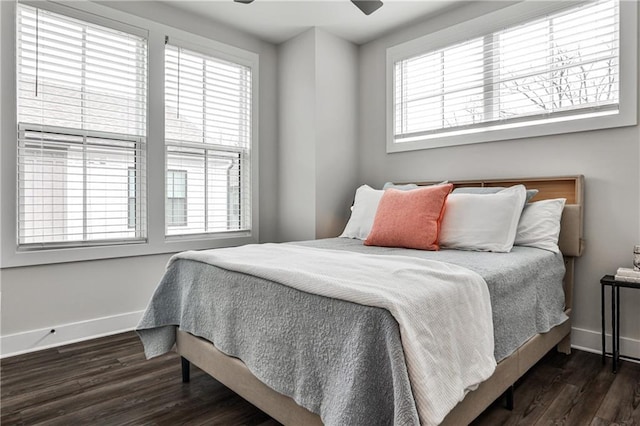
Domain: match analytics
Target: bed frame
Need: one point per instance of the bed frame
(235, 375)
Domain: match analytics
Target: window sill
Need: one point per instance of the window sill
(18, 258)
(510, 132)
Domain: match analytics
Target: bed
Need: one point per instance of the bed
(515, 356)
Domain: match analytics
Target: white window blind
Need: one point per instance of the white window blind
(81, 132)
(562, 66)
(208, 139)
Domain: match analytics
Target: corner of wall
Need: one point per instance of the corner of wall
(337, 131)
(296, 137)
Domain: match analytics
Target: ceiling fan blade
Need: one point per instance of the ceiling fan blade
(243, 1)
(367, 6)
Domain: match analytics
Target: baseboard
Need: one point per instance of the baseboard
(591, 341)
(35, 340)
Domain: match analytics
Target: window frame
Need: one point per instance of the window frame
(156, 242)
(495, 21)
(83, 143)
(139, 141)
(247, 155)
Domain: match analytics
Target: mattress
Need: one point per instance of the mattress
(322, 351)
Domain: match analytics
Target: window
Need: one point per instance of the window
(81, 132)
(176, 197)
(85, 182)
(561, 67)
(207, 138)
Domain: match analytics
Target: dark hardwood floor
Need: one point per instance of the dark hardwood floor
(107, 381)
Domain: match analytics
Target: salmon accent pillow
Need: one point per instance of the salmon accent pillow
(409, 219)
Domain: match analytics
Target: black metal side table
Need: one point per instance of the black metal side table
(609, 280)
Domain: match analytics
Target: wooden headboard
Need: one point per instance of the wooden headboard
(570, 187)
(570, 242)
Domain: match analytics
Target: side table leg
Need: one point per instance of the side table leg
(614, 345)
(617, 354)
(604, 332)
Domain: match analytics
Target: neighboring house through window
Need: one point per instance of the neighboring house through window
(132, 198)
(176, 198)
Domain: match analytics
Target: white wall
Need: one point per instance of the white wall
(296, 137)
(318, 134)
(336, 131)
(79, 299)
(609, 160)
(82, 299)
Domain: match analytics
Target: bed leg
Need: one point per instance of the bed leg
(508, 396)
(565, 345)
(185, 369)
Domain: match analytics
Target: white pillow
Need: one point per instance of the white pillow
(482, 222)
(363, 212)
(410, 186)
(405, 187)
(540, 225)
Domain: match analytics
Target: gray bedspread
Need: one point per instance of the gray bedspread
(341, 360)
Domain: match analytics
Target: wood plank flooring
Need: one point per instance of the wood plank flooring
(107, 381)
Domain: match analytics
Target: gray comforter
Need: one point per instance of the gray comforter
(341, 360)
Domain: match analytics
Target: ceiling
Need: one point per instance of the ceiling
(279, 20)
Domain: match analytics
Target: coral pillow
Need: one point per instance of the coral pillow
(409, 219)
